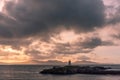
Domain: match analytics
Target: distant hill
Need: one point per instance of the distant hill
(56, 62)
(85, 62)
(50, 62)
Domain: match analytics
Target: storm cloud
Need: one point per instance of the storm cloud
(46, 31)
(44, 17)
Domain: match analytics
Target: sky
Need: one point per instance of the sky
(56, 31)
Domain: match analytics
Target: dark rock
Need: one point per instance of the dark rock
(79, 70)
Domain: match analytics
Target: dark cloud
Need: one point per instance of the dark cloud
(95, 42)
(116, 36)
(58, 49)
(113, 13)
(115, 19)
(45, 16)
(86, 46)
(39, 54)
(67, 48)
(4, 32)
(15, 43)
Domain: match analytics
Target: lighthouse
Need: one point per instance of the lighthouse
(69, 63)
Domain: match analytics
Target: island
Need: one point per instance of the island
(72, 69)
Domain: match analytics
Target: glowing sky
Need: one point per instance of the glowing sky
(55, 31)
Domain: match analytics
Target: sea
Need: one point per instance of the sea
(31, 72)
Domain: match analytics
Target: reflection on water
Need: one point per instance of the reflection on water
(32, 73)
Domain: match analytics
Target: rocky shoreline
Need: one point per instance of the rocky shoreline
(80, 70)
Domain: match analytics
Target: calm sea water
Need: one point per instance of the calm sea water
(31, 72)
